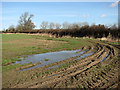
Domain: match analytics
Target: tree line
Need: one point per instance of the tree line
(25, 25)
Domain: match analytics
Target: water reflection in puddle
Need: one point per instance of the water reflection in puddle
(84, 55)
(105, 57)
(53, 67)
(51, 58)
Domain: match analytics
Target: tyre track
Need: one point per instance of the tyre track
(81, 69)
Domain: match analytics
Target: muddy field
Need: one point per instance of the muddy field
(97, 67)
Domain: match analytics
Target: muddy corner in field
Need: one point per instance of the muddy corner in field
(95, 64)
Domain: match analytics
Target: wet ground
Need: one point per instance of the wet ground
(93, 68)
(51, 57)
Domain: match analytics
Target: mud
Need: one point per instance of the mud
(97, 70)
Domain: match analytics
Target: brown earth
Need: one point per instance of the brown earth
(88, 72)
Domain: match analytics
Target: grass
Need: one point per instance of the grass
(116, 43)
(9, 67)
(55, 69)
(30, 63)
(12, 59)
(66, 65)
(79, 86)
(46, 59)
(39, 62)
(43, 73)
(38, 74)
(111, 42)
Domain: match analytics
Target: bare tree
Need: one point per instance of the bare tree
(75, 26)
(70, 26)
(51, 25)
(65, 25)
(57, 25)
(114, 26)
(85, 23)
(44, 25)
(25, 22)
(92, 24)
(19, 28)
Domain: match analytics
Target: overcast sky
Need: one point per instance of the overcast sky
(91, 12)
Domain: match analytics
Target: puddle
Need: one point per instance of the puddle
(85, 55)
(72, 53)
(56, 66)
(51, 58)
(105, 56)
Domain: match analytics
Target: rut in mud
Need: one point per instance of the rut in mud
(98, 70)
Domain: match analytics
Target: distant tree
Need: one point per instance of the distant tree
(11, 28)
(92, 24)
(75, 26)
(51, 25)
(4, 29)
(79, 24)
(58, 26)
(114, 31)
(70, 26)
(25, 22)
(85, 23)
(65, 25)
(44, 25)
(114, 26)
(19, 28)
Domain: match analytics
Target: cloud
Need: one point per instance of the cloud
(114, 4)
(103, 15)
